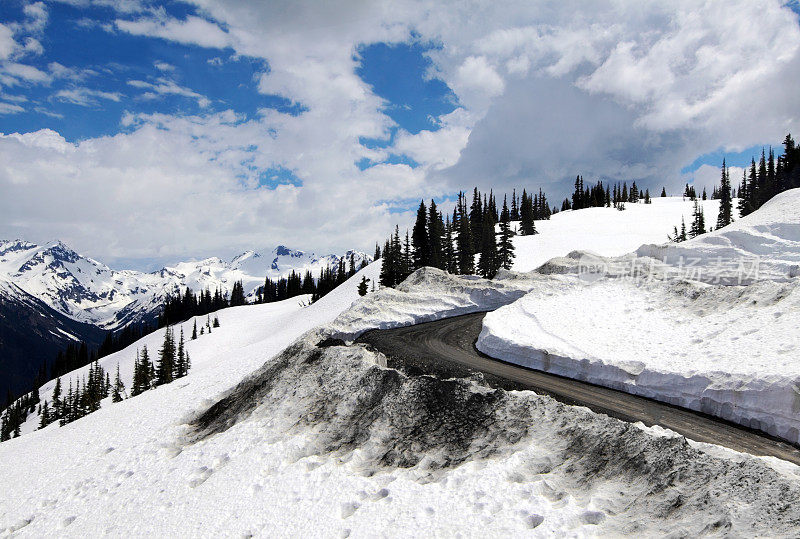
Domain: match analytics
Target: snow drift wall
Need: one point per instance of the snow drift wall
(730, 352)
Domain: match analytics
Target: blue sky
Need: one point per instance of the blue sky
(321, 126)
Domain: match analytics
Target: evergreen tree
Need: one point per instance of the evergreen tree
(465, 252)
(118, 390)
(166, 359)
(514, 206)
(387, 275)
(377, 255)
(725, 204)
(476, 220)
(451, 264)
(419, 239)
(698, 221)
(44, 420)
(506, 246)
(436, 233)
(362, 286)
(216, 321)
(407, 262)
(140, 382)
(179, 369)
(663, 191)
(527, 226)
(488, 261)
(57, 405)
(194, 330)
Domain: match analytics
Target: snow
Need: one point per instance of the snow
(326, 442)
(607, 231)
(310, 456)
(430, 294)
(726, 350)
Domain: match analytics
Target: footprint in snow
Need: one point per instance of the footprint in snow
(200, 476)
(349, 508)
(381, 494)
(533, 520)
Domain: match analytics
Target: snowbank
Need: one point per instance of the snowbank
(684, 331)
(431, 294)
(762, 245)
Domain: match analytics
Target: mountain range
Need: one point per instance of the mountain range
(50, 295)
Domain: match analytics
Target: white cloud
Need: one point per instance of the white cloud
(85, 97)
(10, 108)
(14, 73)
(164, 66)
(547, 90)
(167, 87)
(476, 74)
(193, 30)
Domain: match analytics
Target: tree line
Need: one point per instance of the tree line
(759, 184)
(602, 195)
(452, 244)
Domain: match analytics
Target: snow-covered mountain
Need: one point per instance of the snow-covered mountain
(89, 291)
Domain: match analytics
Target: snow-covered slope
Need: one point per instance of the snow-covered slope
(607, 231)
(768, 238)
(89, 291)
(330, 444)
(679, 334)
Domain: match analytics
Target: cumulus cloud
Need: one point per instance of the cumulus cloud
(545, 90)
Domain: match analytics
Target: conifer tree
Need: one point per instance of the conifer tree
(139, 377)
(216, 321)
(488, 259)
(44, 420)
(179, 369)
(118, 389)
(514, 206)
(194, 330)
(407, 261)
(387, 266)
(57, 405)
(506, 246)
(436, 235)
(419, 239)
(465, 252)
(166, 359)
(527, 227)
(448, 249)
(725, 204)
(476, 220)
(362, 286)
(698, 221)
(663, 191)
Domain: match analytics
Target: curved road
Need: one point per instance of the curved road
(447, 348)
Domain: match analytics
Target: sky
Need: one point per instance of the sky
(142, 133)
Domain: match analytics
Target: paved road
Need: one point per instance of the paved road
(447, 347)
